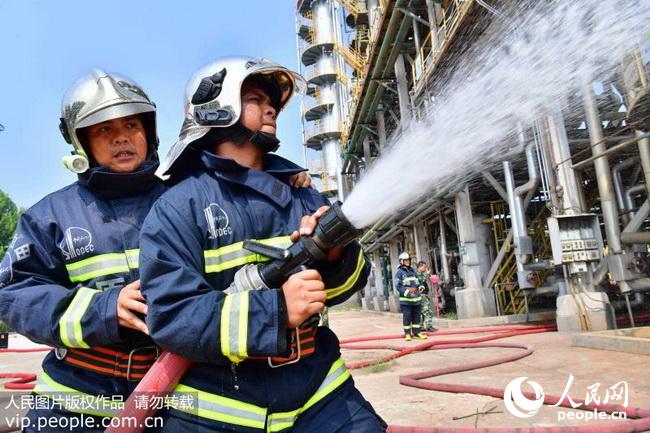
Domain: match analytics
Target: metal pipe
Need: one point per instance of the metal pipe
(402, 222)
(415, 17)
(450, 225)
(518, 215)
(638, 218)
(609, 140)
(504, 247)
(642, 284)
(443, 251)
(644, 144)
(539, 153)
(539, 266)
(403, 91)
(600, 272)
(618, 185)
(631, 238)
(434, 256)
(346, 163)
(495, 184)
(496, 264)
(549, 174)
(611, 150)
(533, 173)
(629, 196)
(510, 188)
(416, 37)
(381, 127)
(431, 14)
(491, 9)
(569, 190)
(374, 228)
(531, 185)
(629, 308)
(644, 153)
(467, 236)
(603, 172)
(366, 152)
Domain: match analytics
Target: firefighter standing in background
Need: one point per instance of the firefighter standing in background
(256, 369)
(410, 298)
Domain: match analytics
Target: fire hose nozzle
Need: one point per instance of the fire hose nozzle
(333, 230)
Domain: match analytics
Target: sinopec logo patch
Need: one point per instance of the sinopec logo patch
(517, 403)
(76, 242)
(217, 219)
(6, 269)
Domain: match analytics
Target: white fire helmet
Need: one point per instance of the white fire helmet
(403, 256)
(213, 97)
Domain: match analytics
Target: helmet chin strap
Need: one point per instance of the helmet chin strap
(264, 141)
(238, 133)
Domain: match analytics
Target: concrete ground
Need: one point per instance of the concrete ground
(551, 364)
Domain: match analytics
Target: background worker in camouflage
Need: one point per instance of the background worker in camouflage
(422, 274)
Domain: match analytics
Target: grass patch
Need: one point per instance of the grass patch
(450, 315)
(5, 328)
(379, 368)
(345, 308)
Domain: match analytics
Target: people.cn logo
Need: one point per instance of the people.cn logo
(517, 403)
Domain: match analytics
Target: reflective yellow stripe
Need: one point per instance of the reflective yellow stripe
(225, 327)
(336, 376)
(219, 408)
(233, 330)
(70, 322)
(224, 409)
(401, 299)
(72, 400)
(233, 255)
(351, 281)
(243, 324)
(133, 258)
(103, 264)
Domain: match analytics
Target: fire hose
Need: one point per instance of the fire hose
(169, 368)
(641, 416)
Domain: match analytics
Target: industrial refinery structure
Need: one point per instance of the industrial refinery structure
(561, 228)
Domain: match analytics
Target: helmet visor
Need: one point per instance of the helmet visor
(115, 112)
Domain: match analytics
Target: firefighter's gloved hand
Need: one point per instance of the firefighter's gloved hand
(304, 293)
(308, 224)
(130, 301)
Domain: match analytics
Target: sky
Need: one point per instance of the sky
(45, 46)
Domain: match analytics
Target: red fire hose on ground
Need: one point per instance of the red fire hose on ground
(169, 369)
(641, 416)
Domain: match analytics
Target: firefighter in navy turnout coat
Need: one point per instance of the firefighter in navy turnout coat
(70, 276)
(256, 369)
(410, 298)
